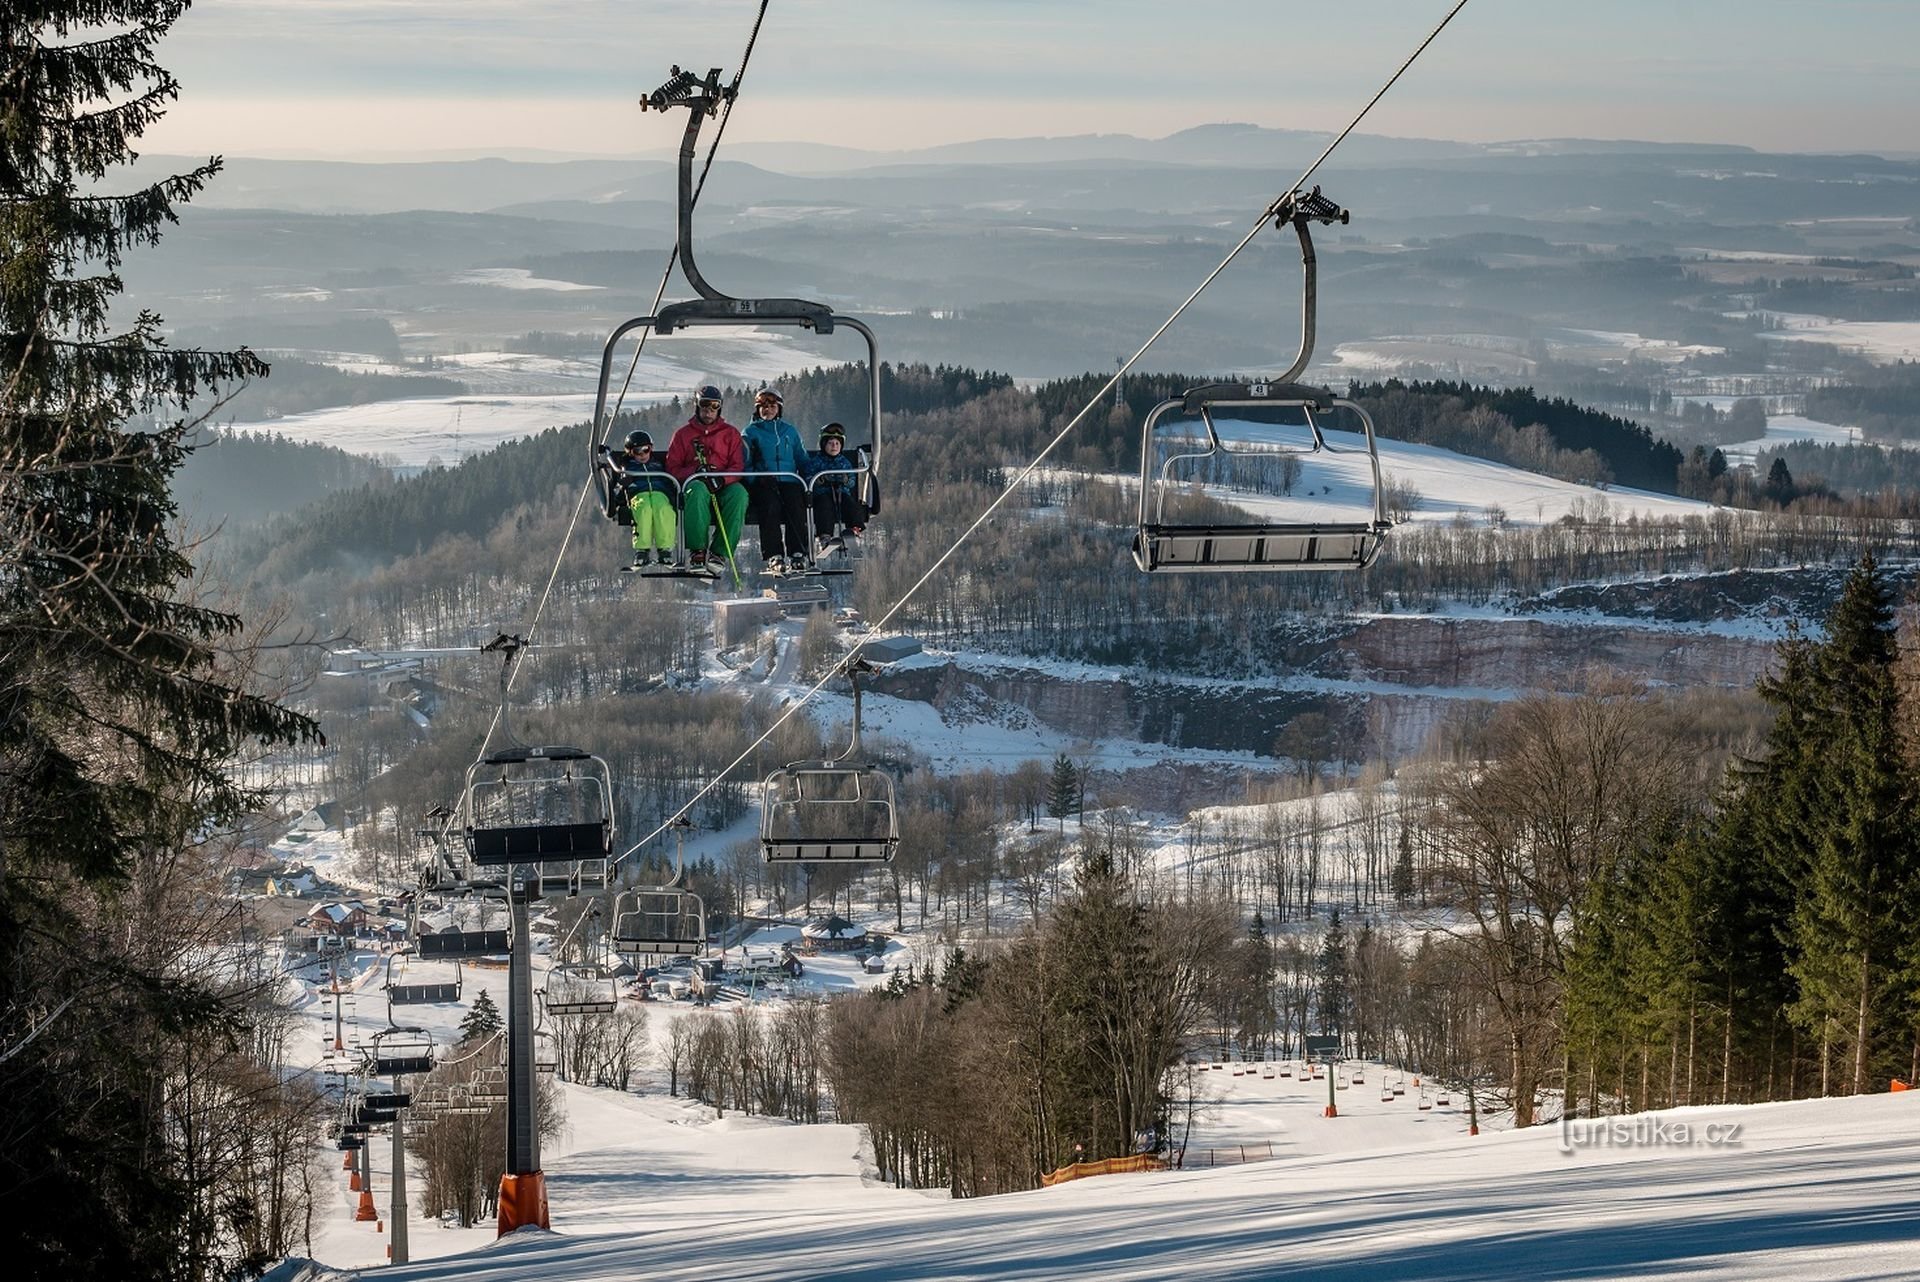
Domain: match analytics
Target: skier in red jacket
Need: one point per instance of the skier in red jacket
(710, 447)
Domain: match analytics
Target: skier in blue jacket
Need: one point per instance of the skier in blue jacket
(780, 501)
(836, 489)
(652, 496)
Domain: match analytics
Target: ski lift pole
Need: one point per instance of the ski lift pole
(523, 1185)
(397, 1213)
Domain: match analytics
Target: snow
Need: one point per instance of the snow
(518, 278)
(1785, 428)
(515, 394)
(650, 1187)
(1882, 341)
(1338, 486)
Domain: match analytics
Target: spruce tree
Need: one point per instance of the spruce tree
(1853, 916)
(1063, 790)
(482, 1019)
(121, 712)
(1333, 969)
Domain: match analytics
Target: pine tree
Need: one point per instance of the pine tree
(1333, 968)
(1403, 882)
(120, 714)
(1853, 915)
(1063, 790)
(482, 1019)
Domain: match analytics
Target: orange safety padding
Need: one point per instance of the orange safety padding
(365, 1211)
(523, 1201)
(1105, 1166)
(1898, 1085)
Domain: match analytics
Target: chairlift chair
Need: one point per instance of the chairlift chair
(837, 811)
(1207, 505)
(579, 990)
(399, 1050)
(539, 805)
(1185, 529)
(702, 97)
(547, 806)
(659, 921)
(440, 983)
(488, 1084)
(546, 1054)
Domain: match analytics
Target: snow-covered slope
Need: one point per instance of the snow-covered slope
(1807, 1191)
(1337, 485)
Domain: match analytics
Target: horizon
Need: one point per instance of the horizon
(368, 79)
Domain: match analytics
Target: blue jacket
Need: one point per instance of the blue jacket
(640, 477)
(774, 445)
(820, 462)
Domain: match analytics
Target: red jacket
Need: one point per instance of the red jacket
(725, 451)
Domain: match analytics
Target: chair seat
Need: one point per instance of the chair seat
(829, 849)
(1179, 548)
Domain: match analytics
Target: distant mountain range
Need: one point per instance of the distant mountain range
(482, 183)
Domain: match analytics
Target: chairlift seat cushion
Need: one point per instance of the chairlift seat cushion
(453, 944)
(538, 843)
(829, 849)
(1178, 548)
(422, 994)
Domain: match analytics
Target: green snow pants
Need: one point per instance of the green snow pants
(733, 515)
(653, 522)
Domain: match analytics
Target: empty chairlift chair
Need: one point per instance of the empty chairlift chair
(658, 922)
(838, 811)
(413, 981)
(579, 990)
(399, 1050)
(1276, 493)
(1222, 494)
(548, 805)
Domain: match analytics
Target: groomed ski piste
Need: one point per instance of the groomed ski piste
(642, 1186)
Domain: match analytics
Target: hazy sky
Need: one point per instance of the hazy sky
(367, 77)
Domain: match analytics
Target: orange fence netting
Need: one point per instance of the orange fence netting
(1106, 1166)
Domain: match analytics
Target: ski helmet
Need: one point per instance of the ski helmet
(637, 441)
(707, 393)
(833, 432)
(768, 394)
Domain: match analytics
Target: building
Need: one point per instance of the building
(833, 935)
(337, 919)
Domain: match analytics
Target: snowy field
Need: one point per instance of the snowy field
(1782, 429)
(1338, 486)
(1882, 341)
(515, 394)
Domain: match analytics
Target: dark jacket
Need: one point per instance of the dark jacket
(823, 465)
(639, 476)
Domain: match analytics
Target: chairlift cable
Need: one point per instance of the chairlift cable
(1014, 486)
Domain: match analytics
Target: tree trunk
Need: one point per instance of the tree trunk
(1863, 1034)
